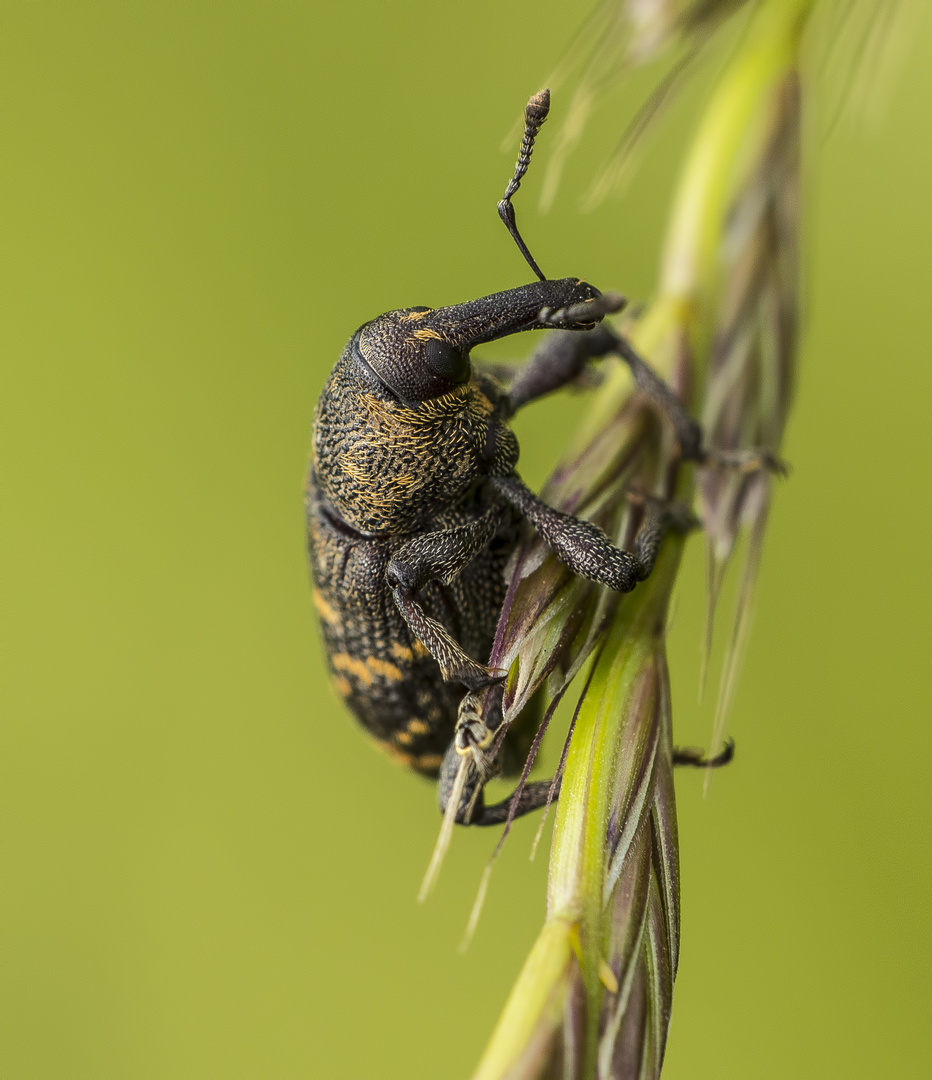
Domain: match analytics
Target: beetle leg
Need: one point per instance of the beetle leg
(441, 556)
(472, 809)
(687, 429)
(455, 664)
(584, 547)
(504, 373)
(562, 358)
(559, 360)
(472, 742)
(690, 755)
(536, 794)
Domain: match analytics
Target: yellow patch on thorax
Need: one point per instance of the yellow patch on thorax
(434, 446)
(392, 417)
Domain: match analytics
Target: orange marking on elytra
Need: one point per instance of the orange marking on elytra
(384, 668)
(366, 670)
(344, 662)
(402, 652)
(324, 610)
(429, 761)
(342, 686)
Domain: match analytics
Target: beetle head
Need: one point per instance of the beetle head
(420, 353)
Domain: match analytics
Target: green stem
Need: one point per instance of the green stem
(603, 727)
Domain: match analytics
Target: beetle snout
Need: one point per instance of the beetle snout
(517, 310)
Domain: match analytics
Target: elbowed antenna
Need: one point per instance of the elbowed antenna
(535, 113)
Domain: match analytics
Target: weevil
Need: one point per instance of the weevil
(414, 503)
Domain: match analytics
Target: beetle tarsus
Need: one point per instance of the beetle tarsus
(692, 755)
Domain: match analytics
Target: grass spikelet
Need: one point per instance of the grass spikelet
(751, 370)
(595, 995)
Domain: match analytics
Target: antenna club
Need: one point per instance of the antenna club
(536, 110)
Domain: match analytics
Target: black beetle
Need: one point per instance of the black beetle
(414, 505)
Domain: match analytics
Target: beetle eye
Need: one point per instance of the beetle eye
(446, 361)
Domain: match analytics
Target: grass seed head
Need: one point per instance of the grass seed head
(595, 995)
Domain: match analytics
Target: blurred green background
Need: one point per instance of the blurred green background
(206, 870)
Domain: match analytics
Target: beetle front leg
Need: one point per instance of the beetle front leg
(557, 363)
(441, 556)
(686, 428)
(584, 547)
(564, 355)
